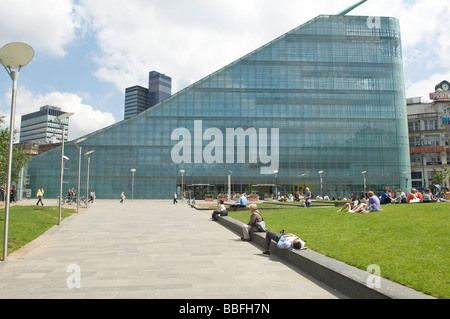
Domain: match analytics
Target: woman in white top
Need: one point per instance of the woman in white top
(220, 211)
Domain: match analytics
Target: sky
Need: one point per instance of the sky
(87, 52)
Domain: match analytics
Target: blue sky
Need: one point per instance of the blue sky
(88, 51)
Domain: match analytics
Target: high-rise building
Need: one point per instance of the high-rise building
(159, 88)
(322, 106)
(41, 127)
(138, 99)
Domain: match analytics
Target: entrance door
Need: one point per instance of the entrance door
(199, 192)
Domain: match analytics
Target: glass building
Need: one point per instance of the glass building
(325, 97)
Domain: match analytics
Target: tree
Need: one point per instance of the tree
(20, 158)
(438, 178)
(446, 174)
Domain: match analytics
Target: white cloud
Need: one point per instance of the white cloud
(86, 119)
(184, 39)
(425, 40)
(188, 40)
(424, 87)
(46, 25)
(191, 39)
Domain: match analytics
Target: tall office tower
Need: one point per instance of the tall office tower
(159, 88)
(136, 101)
(41, 127)
(322, 106)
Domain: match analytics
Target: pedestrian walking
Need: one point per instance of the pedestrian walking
(40, 195)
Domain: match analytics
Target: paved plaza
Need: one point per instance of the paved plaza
(149, 249)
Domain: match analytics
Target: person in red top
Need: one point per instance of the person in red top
(414, 196)
(419, 194)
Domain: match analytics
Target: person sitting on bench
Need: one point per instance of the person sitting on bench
(220, 211)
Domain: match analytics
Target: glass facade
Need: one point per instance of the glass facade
(327, 96)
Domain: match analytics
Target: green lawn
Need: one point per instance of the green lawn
(410, 242)
(29, 222)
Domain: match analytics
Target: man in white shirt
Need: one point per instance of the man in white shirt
(289, 241)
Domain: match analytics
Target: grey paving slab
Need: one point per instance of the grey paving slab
(149, 249)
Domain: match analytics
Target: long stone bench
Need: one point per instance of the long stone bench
(348, 280)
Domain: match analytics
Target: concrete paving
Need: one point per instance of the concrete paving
(149, 249)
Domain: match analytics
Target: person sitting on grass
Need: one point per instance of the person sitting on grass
(386, 197)
(373, 204)
(445, 195)
(413, 197)
(351, 205)
(289, 241)
(428, 196)
(400, 197)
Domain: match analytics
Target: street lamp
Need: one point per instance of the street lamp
(406, 180)
(87, 179)
(276, 184)
(59, 119)
(229, 184)
(364, 174)
(133, 170)
(12, 56)
(304, 181)
(79, 169)
(321, 190)
(182, 171)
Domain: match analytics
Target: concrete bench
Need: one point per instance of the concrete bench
(346, 279)
(237, 208)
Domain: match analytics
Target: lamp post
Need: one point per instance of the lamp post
(182, 171)
(304, 182)
(364, 174)
(13, 56)
(79, 169)
(59, 120)
(87, 179)
(321, 189)
(276, 184)
(406, 180)
(133, 170)
(229, 184)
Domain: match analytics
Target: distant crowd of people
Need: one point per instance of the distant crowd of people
(371, 202)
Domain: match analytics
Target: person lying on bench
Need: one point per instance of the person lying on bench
(289, 241)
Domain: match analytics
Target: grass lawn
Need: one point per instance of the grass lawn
(26, 223)
(410, 242)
